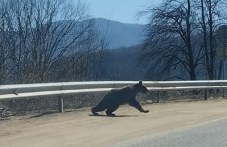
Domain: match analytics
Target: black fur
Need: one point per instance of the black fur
(119, 96)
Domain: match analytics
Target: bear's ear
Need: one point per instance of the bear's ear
(140, 83)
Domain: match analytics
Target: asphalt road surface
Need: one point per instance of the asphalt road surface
(211, 134)
(183, 124)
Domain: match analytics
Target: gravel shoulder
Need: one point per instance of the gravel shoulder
(77, 128)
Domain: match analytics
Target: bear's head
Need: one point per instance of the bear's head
(140, 88)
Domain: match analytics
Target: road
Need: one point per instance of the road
(210, 134)
(77, 128)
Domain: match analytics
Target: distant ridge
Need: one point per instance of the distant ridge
(120, 34)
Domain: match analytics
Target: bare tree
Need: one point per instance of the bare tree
(173, 41)
(82, 62)
(169, 40)
(212, 16)
(4, 45)
(41, 33)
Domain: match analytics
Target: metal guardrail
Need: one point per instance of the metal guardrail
(47, 89)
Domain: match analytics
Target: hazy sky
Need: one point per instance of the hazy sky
(120, 10)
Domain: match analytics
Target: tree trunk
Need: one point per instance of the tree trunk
(189, 43)
(211, 69)
(205, 38)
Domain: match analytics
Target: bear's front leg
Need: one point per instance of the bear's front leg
(138, 106)
(144, 111)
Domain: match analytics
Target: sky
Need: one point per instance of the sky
(120, 10)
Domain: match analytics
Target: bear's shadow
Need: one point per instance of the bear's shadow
(103, 115)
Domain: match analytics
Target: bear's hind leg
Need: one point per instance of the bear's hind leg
(111, 109)
(98, 108)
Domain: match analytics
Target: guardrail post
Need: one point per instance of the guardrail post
(205, 94)
(158, 99)
(60, 104)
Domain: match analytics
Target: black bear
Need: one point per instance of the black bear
(119, 96)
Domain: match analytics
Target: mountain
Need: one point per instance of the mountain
(123, 64)
(119, 34)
